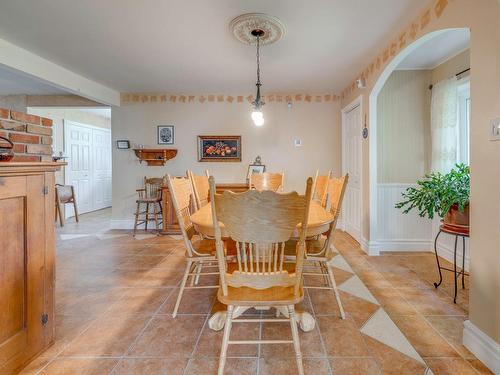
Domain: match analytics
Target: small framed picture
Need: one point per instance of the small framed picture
(255, 168)
(165, 134)
(122, 144)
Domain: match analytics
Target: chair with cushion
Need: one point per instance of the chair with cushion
(65, 194)
(200, 188)
(267, 181)
(260, 223)
(200, 253)
(149, 199)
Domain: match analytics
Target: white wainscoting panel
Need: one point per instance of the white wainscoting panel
(398, 231)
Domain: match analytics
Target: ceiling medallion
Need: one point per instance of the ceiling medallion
(242, 27)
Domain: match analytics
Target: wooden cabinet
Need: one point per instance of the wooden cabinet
(26, 262)
(170, 224)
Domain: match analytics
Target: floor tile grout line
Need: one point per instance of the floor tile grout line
(432, 326)
(195, 346)
(317, 326)
(132, 345)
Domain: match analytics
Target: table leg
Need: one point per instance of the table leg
(437, 260)
(218, 320)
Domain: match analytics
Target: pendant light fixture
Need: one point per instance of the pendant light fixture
(257, 115)
(259, 29)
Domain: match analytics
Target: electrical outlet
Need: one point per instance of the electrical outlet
(495, 130)
(297, 142)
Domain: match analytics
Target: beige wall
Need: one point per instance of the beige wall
(482, 19)
(316, 124)
(403, 150)
(451, 67)
(14, 102)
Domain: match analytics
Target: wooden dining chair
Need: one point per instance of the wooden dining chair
(200, 252)
(149, 199)
(320, 190)
(260, 223)
(319, 251)
(267, 181)
(65, 194)
(200, 188)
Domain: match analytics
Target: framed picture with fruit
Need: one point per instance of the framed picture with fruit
(215, 148)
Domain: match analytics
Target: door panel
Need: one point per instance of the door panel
(352, 165)
(90, 166)
(22, 264)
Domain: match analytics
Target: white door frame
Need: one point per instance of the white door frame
(65, 143)
(358, 102)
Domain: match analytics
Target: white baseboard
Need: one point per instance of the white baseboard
(404, 245)
(446, 252)
(122, 224)
(370, 247)
(482, 346)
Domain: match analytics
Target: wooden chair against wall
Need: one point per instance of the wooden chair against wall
(149, 196)
(65, 194)
(199, 252)
(267, 181)
(321, 187)
(200, 188)
(319, 251)
(260, 278)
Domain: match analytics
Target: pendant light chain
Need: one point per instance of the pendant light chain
(258, 60)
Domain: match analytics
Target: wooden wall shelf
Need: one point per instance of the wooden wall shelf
(155, 156)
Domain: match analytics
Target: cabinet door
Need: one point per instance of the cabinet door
(22, 269)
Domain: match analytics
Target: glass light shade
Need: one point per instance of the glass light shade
(258, 118)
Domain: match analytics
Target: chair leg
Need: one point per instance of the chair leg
(225, 339)
(137, 212)
(76, 210)
(155, 213)
(335, 291)
(147, 217)
(183, 285)
(296, 342)
(196, 266)
(197, 278)
(61, 215)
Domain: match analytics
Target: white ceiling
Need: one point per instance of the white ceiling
(185, 46)
(14, 83)
(437, 50)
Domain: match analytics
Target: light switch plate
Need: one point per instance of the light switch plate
(495, 129)
(297, 142)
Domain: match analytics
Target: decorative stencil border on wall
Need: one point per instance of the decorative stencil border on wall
(399, 43)
(131, 98)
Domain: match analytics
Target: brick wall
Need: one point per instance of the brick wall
(31, 135)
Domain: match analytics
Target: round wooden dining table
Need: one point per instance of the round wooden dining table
(319, 222)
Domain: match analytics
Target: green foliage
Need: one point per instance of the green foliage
(437, 192)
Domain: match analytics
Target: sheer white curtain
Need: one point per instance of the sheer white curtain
(444, 125)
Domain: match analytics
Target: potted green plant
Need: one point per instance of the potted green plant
(444, 194)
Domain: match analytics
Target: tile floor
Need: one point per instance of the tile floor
(115, 295)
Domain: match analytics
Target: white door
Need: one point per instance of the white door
(352, 164)
(78, 142)
(89, 166)
(101, 168)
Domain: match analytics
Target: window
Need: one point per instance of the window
(463, 121)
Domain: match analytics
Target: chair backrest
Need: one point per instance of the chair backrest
(267, 181)
(181, 194)
(201, 189)
(65, 193)
(321, 188)
(152, 187)
(260, 223)
(336, 190)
